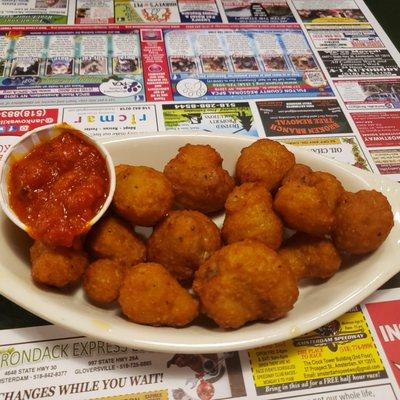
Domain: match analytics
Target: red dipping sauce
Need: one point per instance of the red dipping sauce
(58, 187)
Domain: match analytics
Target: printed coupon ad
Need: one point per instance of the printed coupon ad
(303, 117)
(364, 94)
(341, 352)
(233, 118)
(378, 129)
(243, 63)
(244, 11)
(33, 12)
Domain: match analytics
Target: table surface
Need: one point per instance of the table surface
(387, 12)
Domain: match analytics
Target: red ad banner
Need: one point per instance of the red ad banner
(385, 316)
(18, 122)
(379, 129)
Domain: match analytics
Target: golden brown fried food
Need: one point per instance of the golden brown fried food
(245, 281)
(150, 295)
(264, 161)
(304, 208)
(297, 173)
(328, 185)
(57, 266)
(183, 241)
(199, 181)
(307, 200)
(113, 238)
(143, 195)
(363, 220)
(102, 280)
(310, 257)
(249, 215)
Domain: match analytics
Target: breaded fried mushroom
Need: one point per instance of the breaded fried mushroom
(198, 179)
(265, 161)
(297, 173)
(249, 215)
(328, 185)
(113, 238)
(102, 281)
(183, 241)
(304, 208)
(142, 195)
(363, 221)
(310, 257)
(150, 295)
(57, 266)
(245, 281)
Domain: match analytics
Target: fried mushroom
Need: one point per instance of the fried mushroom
(310, 257)
(265, 161)
(102, 281)
(142, 195)
(57, 266)
(183, 241)
(150, 295)
(249, 215)
(199, 181)
(113, 238)
(245, 281)
(363, 221)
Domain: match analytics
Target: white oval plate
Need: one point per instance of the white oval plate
(317, 304)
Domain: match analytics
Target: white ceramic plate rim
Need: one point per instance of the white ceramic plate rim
(33, 301)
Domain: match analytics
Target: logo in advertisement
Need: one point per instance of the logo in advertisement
(192, 88)
(120, 87)
(155, 68)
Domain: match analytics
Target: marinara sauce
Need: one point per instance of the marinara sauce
(58, 187)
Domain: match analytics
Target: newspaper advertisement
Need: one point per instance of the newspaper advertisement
(348, 37)
(66, 366)
(318, 74)
(257, 11)
(387, 161)
(378, 129)
(100, 65)
(112, 121)
(383, 311)
(233, 118)
(346, 63)
(368, 94)
(341, 352)
(303, 117)
(329, 12)
(33, 12)
(346, 149)
(95, 66)
(243, 63)
(94, 12)
(171, 11)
